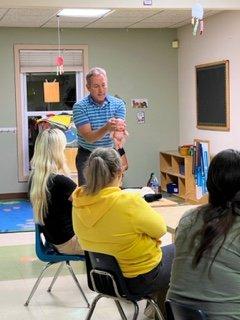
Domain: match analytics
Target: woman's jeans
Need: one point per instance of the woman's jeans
(155, 282)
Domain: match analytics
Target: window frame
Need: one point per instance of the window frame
(20, 94)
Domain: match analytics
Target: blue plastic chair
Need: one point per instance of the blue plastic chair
(105, 277)
(47, 253)
(179, 311)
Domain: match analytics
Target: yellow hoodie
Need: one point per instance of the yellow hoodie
(121, 224)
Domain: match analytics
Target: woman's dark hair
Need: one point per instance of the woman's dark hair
(223, 184)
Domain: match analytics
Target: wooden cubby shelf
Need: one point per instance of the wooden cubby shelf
(175, 168)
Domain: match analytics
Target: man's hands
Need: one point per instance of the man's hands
(118, 134)
(93, 135)
(111, 125)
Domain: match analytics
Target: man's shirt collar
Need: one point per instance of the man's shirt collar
(106, 101)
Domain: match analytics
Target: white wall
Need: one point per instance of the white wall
(221, 41)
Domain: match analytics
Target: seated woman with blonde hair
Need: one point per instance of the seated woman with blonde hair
(51, 190)
(109, 220)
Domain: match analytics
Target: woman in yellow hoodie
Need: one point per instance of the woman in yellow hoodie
(109, 220)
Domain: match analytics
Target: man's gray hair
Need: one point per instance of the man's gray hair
(94, 72)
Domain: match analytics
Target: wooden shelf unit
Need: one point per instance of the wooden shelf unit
(175, 168)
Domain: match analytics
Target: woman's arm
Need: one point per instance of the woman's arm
(146, 220)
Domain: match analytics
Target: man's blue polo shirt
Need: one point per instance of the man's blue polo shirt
(88, 111)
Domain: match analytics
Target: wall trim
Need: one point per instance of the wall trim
(7, 196)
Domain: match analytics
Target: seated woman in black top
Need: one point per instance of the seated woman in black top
(51, 190)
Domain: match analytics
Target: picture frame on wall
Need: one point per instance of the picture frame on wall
(140, 117)
(139, 103)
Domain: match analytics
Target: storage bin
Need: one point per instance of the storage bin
(172, 188)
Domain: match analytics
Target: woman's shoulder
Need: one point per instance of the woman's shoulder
(191, 216)
(131, 194)
(59, 176)
(133, 200)
(60, 179)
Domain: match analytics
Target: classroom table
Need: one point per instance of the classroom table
(163, 203)
(172, 215)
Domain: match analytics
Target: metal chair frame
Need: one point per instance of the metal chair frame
(125, 296)
(47, 253)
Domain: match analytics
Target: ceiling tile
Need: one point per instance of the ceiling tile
(27, 17)
(132, 13)
(117, 18)
(69, 22)
(102, 24)
(2, 12)
(66, 24)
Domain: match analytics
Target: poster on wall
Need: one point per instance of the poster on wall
(140, 117)
(139, 103)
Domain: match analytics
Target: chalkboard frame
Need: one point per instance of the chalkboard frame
(223, 87)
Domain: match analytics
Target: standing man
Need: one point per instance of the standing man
(94, 117)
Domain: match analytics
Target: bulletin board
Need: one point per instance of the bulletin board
(212, 86)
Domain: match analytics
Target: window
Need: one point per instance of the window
(35, 96)
(33, 67)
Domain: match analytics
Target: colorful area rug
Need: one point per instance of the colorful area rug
(16, 216)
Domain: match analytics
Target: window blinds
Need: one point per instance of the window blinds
(45, 60)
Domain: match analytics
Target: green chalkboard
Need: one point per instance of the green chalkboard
(212, 83)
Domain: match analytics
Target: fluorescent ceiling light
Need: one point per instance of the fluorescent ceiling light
(83, 12)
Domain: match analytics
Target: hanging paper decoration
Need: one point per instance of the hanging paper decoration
(59, 63)
(197, 18)
(59, 58)
(51, 91)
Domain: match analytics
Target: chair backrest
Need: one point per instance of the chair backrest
(48, 253)
(44, 250)
(105, 276)
(179, 311)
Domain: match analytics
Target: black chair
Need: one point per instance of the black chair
(105, 277)
(179, 311)
(47, 253)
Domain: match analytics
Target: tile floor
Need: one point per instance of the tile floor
(19, 268)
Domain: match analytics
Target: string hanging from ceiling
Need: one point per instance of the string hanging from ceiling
(59, 58)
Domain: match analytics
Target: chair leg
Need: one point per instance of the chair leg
(120, 310)
(55, 276)
(37, 283)
(93, 305)
(136, 310)
(156, 308)
(77, 283)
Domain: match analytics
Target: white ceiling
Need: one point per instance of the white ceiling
(123, 14)
(117, 18)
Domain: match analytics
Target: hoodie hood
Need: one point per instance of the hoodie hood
(91, 208)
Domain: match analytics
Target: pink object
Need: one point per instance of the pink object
(120, 133)
(59, 63)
